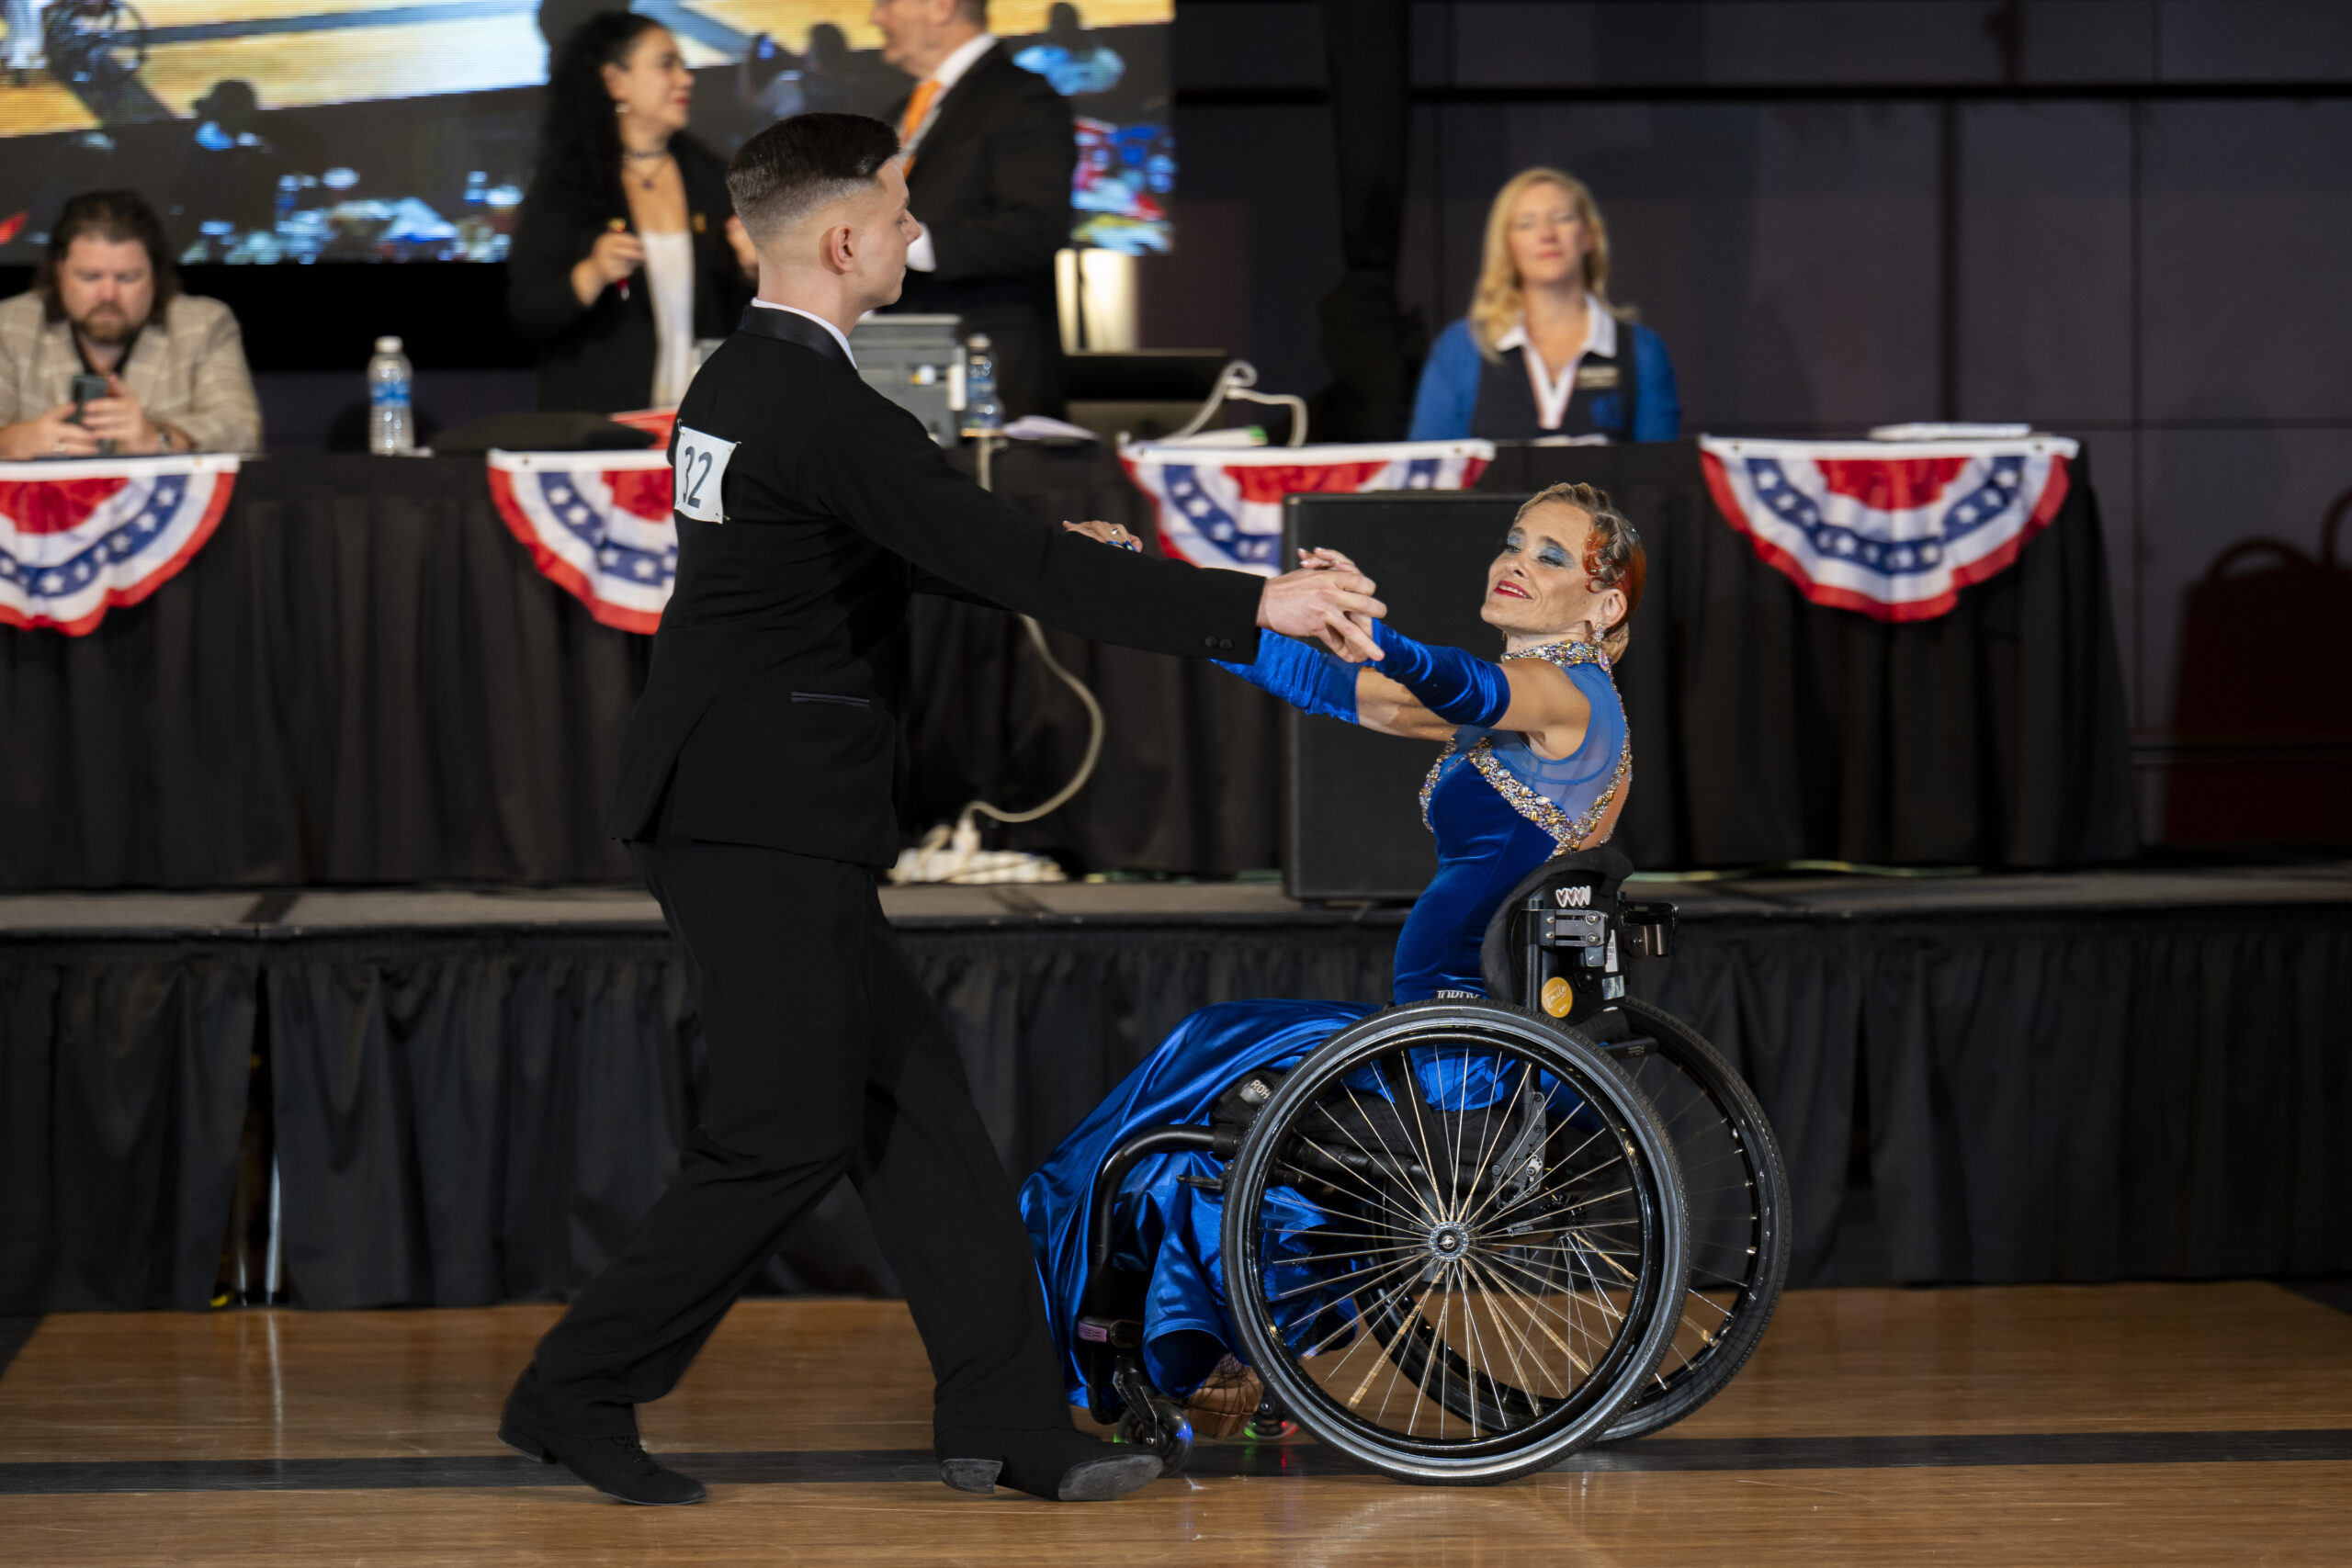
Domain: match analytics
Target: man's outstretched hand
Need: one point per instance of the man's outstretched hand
(1325, 604)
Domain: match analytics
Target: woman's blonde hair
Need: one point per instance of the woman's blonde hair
(1495, 302)
(1613, 557)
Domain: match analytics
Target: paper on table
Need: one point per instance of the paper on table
(1037, 427)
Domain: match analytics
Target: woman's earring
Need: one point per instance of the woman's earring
(620, 106)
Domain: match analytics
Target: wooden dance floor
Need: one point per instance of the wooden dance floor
(2122, 1424)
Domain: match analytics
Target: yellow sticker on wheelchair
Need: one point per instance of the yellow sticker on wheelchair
(1558, 996)
(698, 469)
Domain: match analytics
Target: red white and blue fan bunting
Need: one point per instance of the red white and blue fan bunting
(80, 536)
(1894, 530)
(596, 522)
(1223, 505)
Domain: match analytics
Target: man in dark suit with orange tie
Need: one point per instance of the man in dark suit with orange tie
(988, 160)
(755, 794)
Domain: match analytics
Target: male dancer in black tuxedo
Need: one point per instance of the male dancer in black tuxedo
(755, 792)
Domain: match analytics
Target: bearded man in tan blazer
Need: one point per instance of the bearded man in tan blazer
(106, 302)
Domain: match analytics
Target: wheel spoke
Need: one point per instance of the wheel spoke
(1341, 1257)
(1561, 1187)
(1535, 1316)
(1409, 1088)
(1427, 1214)
(1503, 1339)
(1377, 1196)
(1531, 1305)
(1384, 1272)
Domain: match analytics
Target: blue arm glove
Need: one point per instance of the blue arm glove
(1305, 677)
(1455, 686)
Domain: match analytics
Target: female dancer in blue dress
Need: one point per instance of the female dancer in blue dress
(1537, 762)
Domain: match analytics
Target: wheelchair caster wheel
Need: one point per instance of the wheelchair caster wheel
(1269, 1425)
(1158, 1425)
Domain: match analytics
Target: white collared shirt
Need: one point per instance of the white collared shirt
(1553, 392)
(965, 55)
(951, 69)
(794, 309)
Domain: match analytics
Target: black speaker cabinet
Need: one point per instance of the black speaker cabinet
(1353, 827)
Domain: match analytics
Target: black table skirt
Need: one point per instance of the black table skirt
(470, 1116)
(362, 679)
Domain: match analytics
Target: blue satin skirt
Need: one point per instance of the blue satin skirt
(1167, 1232)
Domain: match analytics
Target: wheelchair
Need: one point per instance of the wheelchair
(1463, 1239)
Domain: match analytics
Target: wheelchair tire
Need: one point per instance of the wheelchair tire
(1737, 1190)
(1363, 1220)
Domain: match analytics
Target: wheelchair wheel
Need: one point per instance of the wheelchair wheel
(1455, 1242)
(1737, 1193)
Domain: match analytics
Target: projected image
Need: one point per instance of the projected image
(304, 130)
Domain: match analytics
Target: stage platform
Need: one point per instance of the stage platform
(466, 1096)
(2120, 1423)
(610, 908)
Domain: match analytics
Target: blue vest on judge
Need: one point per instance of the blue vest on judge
(1622, 389)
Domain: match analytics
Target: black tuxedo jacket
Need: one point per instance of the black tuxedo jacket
(991, 182)
(760, 720)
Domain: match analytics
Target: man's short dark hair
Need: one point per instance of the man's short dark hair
(798, 166)
(113, 216)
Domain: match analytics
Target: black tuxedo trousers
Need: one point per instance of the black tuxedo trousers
(827, 1057)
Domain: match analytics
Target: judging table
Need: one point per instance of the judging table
(362, 678)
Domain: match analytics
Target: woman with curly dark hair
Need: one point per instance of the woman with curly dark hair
(627, 249)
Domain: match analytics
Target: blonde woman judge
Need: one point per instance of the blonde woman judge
(1543, 352)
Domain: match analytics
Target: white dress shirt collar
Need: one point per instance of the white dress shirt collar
(1553, 392)
(794, 309)
(966, 55)
(1600, 331)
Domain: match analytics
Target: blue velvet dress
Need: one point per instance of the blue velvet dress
(1498, 811)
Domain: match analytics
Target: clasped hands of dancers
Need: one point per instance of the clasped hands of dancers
(754, 793)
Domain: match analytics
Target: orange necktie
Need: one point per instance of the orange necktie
(918, 105)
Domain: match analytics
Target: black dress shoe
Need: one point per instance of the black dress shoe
(1063, 1466)
(616, 1465)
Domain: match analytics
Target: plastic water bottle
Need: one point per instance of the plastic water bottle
(391, 428)
(983, 416)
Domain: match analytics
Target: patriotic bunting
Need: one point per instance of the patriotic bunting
(596, 522)
(1893, 530)
(80, 536)
(1223, 505)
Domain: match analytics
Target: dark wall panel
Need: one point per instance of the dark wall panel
(2045, 236)
(2246, 245)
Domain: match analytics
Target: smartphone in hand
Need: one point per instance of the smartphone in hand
(87, 389)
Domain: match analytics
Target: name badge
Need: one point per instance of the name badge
(1596, 378)
(697, 473)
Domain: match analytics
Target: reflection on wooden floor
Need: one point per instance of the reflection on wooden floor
(2109, 1424)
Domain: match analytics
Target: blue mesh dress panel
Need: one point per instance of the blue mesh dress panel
(1498, 811)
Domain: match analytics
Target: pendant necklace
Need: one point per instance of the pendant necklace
(646, 182)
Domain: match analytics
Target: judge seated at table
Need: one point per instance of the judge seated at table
(989, 151)
(1542, 353)
(105, 302)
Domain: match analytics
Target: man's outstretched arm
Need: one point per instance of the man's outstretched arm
(875, 469)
